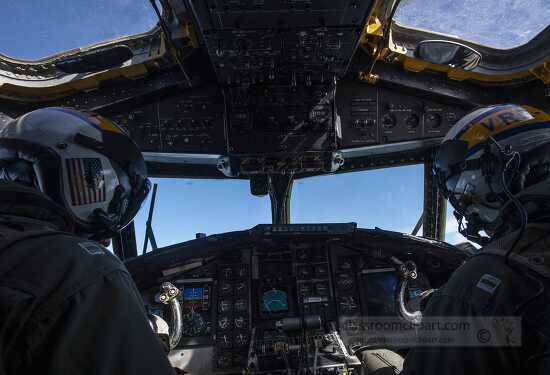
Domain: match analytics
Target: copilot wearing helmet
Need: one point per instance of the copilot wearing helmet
(67, 305)
(494, 167)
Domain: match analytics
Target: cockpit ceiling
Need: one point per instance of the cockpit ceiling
(240, 88)
(251, 41)
(247, 41)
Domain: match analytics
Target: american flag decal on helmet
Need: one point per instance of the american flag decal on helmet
(86, 181)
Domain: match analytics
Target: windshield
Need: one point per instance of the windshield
(386, 198)
(34, 29)
(390, 199)
(185, 207)
(500, 24)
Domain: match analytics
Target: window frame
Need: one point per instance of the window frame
(155, 29)
(494, 61)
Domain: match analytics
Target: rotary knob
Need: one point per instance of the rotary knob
(224, 323)
(240, 322)
(241, 339)
(388, 121)
(412, 121)
(433, 120)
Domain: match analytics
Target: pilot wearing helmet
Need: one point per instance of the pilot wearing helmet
(494, 167)
(67, 305)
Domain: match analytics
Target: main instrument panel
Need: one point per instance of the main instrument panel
(274, 298)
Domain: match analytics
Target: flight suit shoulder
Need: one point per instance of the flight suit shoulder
(487, 285)
(41, 278)
(55, 264)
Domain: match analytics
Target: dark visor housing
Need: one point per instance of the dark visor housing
(452, 154)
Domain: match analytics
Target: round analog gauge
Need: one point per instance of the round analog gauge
(241, 339)
(433, 120)
(412, 121)
(345, 282)
(225, 306)
(193, 324)
(226, 288)
(241, 305)
(224, 323)
(240, 322)
(240, 288)
(388, 121)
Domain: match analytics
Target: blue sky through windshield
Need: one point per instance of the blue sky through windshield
(501, 24)
(386, 198)
(389, 198)
(33, 29)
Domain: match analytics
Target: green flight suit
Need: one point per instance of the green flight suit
(485, 286)
(67, 305)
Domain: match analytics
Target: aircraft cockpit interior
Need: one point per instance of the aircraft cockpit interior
(274, 93)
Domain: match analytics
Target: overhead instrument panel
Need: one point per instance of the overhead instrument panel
(279, 118)
(256, 41)
(372, 115)
(193, 122)
(404, 117)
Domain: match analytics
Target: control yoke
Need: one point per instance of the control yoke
(168, 296)
(407, 272)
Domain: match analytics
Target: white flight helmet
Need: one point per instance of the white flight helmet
(82, 161)
(492, 162)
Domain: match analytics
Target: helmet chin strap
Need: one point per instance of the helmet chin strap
(472, 229)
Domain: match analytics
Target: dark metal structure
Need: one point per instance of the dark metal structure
(271, 91)
(435, 205)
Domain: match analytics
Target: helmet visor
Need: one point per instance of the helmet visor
(451, 154)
